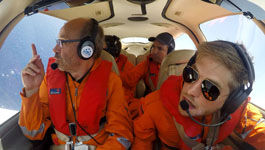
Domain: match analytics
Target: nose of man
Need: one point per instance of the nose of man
(193, 89)
(154, 50)
(56, 49)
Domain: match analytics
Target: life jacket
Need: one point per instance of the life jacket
(92, 101)
(151, 77)
(121, 61)
(170, 95)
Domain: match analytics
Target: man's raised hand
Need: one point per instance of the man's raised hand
(32, 75)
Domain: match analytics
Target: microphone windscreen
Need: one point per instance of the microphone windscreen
(54, 66)
(150, 59)
(184, 105)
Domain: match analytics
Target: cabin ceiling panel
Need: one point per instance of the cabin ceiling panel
(100, 11)
(194, 12)
(146, 30)
(151, 27)
(10, 9)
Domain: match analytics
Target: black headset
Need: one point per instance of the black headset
(171, 46)
(113, 45)
(240, 94)
(86, 47)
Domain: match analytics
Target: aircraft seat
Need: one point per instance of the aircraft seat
(141, 58)
(108, 57)
(173, 64)
(131, 57)
(140, 87)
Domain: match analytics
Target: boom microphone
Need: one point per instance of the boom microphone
(185, 106)
(54, 66)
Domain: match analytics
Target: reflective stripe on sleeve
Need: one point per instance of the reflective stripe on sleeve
(32, 133)
(125, 142)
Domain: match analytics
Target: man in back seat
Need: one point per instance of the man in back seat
(148, 70)
(113, 46)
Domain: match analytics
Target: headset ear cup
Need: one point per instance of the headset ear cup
(234, 100)
(86, 50)
(86, 47)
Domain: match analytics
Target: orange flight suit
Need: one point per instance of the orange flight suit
(35, 116)
(156, 121)
(144, 70)
(125, 66)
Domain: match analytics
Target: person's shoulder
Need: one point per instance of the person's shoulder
(123, 56)
(114, 83)
(151, 100)
(113, 76)
(144, 62)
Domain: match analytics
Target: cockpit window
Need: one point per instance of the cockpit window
(184, 42)
(242, 30)
(42, 30)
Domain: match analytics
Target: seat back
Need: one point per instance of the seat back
(141, 87)
(141, 58)
(131, 57)
(173, 64)
(108, 57)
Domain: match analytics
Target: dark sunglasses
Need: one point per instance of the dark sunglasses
(209, 89)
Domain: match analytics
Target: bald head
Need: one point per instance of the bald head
(73, 29)
(82, 27)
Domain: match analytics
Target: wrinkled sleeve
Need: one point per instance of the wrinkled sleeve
(132, 77)
(127, 69)
(119, 124)
(144, 130)
(253, 127)
(34, 115)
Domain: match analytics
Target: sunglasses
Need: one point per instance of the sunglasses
(209, 89)
(61, 42)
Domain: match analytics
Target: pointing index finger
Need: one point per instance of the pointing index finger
(34, 50)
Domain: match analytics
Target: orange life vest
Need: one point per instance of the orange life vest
(92, 100)
(170, 95)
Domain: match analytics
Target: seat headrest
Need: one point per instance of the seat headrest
(173, 64)
(141, 58)
(106, 56)
(131, 57)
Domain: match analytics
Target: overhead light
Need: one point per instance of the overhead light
(137, 18)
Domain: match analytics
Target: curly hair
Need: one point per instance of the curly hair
(113, 45)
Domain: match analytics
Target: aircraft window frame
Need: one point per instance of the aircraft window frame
(239, 29)
(39, 29)
(184, 42)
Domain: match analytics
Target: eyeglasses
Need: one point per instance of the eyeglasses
(209, 89)
(61, 42)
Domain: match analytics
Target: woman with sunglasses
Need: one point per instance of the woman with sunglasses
(205, 108)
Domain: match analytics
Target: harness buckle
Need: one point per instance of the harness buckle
(208, 147)
(72, 128)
